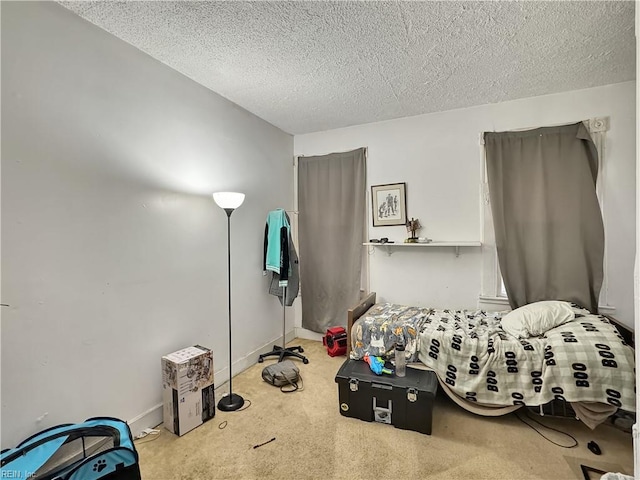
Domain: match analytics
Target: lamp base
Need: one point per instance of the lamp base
(230, 402)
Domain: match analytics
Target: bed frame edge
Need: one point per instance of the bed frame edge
(356, 312)
(628, 334)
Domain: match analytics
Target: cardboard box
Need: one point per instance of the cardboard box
(188, 391)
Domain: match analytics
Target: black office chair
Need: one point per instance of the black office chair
(283, 352)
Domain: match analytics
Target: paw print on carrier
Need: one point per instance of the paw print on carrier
(100, 465)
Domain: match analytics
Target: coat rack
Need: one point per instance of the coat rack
(283, 352)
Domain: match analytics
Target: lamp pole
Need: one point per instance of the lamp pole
(229, 212)
(229, 201)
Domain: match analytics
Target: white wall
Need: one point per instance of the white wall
(113, 252)
(438, 156)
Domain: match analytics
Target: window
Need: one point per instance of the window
(503, 290)
(493, 291)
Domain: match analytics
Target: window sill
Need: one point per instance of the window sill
(504, 301)
(493, 300)
(606, 309)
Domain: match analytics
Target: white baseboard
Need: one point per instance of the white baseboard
(308, 334)
(153, 417)
(241, 364)
(149, 419)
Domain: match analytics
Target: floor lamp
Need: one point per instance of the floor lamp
(229, 201)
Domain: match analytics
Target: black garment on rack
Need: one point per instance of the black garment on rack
(289, 269)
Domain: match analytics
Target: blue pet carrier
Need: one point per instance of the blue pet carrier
(101, 448)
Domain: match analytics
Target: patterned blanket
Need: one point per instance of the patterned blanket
(584, 360)
(377, 332)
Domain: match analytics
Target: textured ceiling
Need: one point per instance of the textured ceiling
(312, 66)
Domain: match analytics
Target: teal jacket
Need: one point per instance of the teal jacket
(276, 244)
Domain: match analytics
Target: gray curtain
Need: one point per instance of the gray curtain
(331, 202)
(547, 220)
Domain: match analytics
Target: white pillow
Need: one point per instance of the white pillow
(536, 318)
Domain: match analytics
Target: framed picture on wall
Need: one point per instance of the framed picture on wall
(389, 204)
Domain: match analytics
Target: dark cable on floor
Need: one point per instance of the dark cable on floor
(261, 444)
(575, 442)
(223, 424)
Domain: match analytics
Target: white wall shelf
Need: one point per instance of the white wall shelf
(389, 247)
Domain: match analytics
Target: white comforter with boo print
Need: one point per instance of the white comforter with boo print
(583, 360)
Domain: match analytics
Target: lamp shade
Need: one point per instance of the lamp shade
(228, 199)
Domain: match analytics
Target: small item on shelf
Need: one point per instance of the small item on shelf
(424, 240)
(412, 226)
(401, 360)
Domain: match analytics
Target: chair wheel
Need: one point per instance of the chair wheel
(305, 360)
(301, 350)
(260, 359)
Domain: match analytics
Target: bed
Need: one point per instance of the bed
(584, 362)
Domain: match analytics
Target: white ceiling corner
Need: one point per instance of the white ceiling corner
(313, 66)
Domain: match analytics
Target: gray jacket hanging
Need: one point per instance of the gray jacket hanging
(293, 286)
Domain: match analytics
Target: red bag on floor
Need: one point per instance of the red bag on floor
(336, 341)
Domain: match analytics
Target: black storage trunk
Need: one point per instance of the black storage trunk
(404, 402)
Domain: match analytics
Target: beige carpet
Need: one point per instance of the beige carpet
(313, 441)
